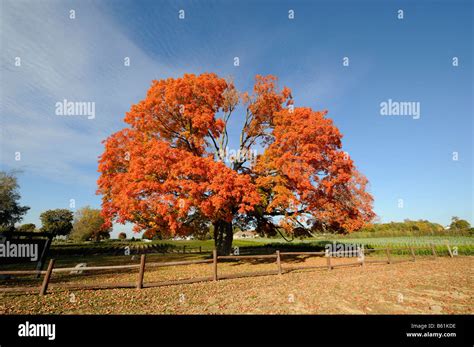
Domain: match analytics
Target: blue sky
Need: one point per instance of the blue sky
(81, 59)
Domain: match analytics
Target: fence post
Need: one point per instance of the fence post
(328, 259)
(214, 264)
(141, 273)
(362, 256)
(412, 253)
(200, 250)
(184, 249)
(389, 260)
(278, 262)
(433, 250)
(47, 276)
(449, 249)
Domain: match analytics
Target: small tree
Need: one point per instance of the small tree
(88, 225)
(58, 221)
(459, 224)
(149, 235)
(30, 227)
(11, 211)
(122, 236)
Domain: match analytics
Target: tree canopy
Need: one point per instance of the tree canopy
(88, 225)
(58, 221)
(29, 227)
(167, 171)
(459, 224)
(11, 211)
(122, 236)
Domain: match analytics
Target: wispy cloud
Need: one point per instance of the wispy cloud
(61, 58)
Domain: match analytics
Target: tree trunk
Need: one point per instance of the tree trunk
(223, 235)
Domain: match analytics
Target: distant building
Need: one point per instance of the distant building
(245, 235)
(182, 238)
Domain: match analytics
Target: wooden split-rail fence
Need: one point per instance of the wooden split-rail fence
(139, 284)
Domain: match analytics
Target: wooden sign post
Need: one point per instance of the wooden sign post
(47, 277)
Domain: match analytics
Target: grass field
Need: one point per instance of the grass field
(465, 244)
(112, 252)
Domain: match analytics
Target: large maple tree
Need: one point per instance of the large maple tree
(168, 172)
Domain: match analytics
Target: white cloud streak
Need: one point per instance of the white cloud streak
(61, 58)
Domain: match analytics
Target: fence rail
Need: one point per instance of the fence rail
(95, 268)
(215, 276)
(22, 272)
(246, 256)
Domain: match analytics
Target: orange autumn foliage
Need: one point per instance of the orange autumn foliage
(166, 169)
(306, 172)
